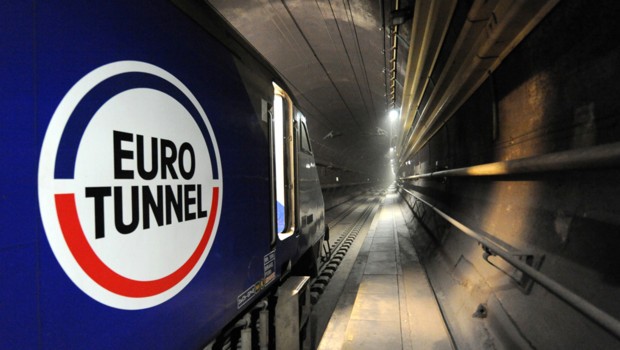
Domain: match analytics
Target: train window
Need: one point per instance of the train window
(304, 139)
(279, 158)
(283, 164)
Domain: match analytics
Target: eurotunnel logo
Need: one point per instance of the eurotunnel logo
(130, 185)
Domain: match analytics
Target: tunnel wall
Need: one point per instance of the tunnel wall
(340, 185)
(557, 91)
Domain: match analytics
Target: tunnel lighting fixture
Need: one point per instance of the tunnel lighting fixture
(391, 149)
(337, 179)
(393, 115)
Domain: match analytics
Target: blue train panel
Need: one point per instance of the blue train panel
(135, 189)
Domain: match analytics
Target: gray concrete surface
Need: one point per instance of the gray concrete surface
(387, 302)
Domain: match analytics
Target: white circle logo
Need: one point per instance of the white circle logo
(130, 185)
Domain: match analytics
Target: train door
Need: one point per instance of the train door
(310, 211)
(299, 219)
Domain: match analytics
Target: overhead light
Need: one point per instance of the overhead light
(393, 115)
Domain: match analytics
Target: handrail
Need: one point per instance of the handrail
(600, 317)
(583, 158)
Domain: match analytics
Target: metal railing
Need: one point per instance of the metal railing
(600, 317)
(595, 157)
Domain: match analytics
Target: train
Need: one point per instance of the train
(159, 183)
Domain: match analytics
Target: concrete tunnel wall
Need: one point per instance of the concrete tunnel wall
(557, 91)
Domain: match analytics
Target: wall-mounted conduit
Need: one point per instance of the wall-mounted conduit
(492, 30)
(596, 157)
(597, 315)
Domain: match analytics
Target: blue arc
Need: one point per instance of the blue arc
(102, 92)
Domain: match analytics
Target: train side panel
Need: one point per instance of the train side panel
(43, 57)
(311, 215)
(20, 231)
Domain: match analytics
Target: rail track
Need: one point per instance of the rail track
(345, 235)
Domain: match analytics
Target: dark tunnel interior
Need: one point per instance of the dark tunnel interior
(478, 140)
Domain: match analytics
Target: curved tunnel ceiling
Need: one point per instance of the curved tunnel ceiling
(348, 62)
(331, 55)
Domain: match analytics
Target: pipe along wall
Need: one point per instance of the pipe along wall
(556, 92)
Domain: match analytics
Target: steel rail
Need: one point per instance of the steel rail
(355, 226)
(340, 248)
(335, 221)
(596, 157)
(600, 317)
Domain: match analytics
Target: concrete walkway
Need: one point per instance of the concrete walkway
(387, 301)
